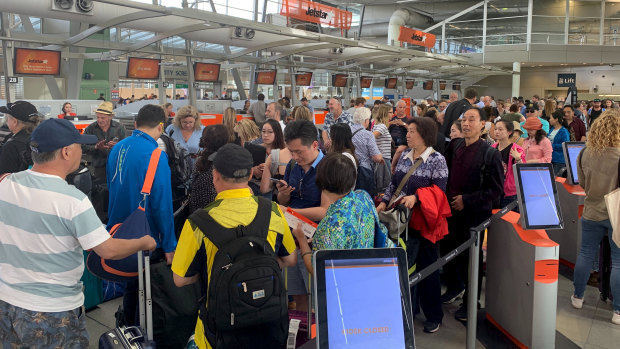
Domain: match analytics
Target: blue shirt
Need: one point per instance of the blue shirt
(126, 170)
(558, 153)
(192, 145)
(306, 193)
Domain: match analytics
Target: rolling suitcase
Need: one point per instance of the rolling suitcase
(134, 337)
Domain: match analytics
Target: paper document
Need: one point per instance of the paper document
(293, 218)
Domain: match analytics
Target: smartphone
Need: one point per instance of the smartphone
(274, 180)
(115, 139)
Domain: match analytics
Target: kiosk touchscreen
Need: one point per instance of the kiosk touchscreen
(537, 196)
(571, 151)
(362, 299)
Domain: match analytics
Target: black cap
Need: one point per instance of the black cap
(21, 110)
(531, 106)
(233, 161)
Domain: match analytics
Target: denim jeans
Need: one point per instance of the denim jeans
(592, 233)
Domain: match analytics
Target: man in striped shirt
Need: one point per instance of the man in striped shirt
(46, 224)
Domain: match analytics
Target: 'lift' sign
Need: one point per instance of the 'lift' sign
(416, 37)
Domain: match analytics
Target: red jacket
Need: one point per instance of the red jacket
(431, 213)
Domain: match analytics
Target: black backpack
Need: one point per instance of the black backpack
(245, 305)
(179, 161)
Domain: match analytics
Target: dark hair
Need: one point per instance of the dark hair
(569, 106)
(335, 173)
(303, 130)
(510, 127)
(360, 100)
(470, 93)
(213, 138)
(490, 111)
(540, 134)
(342, 139)
(64, 105)
(457, 123)
(559, 115)
(260, 97)
(513, 108)
(278, 140)
(150, 116)
(483, 115)
(377, 102)
(426, 128)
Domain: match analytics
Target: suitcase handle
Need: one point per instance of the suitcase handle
(136, 333)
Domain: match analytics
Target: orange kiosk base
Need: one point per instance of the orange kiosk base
(571, 202)
(522, 283)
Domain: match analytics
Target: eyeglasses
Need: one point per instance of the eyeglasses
(530, 111)
(188, 122)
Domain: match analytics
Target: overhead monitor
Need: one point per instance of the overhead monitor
(571, 151)
(409, 84)
(143, 68)
(206, 72)
(428, 85)
(537, 196)
(365, 81)
(303, 79)
(36, 62)
(391, 83)
(339, 80)
(442, 84)
(348, 284)
(456, 86)
(266, 77)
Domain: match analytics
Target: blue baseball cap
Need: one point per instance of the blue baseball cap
(54, 134)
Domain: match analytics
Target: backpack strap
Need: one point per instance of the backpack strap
(289, 168)
(220, 236)
(150, 172)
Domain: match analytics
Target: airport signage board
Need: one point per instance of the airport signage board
(567, 80)
(416, 37)
(306, 10)
(409, 84)
(206, 72)
(36, 62)
(267, 77)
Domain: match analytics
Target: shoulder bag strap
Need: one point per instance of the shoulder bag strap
(404, 180)
(356, 132)
(4, 175)
(259, 227)
(150, 172)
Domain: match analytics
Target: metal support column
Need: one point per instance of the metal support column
(253, 86)
(8, 58)
(530, 10)
(190, 73)
(516, 78)
(235, 71)
(566, 22)
(161, 91)
(294, 101)
(359, 32)
(601, 37)
(484, 30)
(75, 66)
(444, 42)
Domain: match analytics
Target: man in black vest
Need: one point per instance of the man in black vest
(456, 109)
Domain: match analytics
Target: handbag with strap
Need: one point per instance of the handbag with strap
(612, 201)
(394, 218)
(134, 226)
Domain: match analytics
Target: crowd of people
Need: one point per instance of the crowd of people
(453, 156)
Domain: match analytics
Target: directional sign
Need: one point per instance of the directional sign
(13, 80)
(195, 85)
(166, 84)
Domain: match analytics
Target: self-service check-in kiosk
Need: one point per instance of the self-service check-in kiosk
(522, 262)
(571, 197)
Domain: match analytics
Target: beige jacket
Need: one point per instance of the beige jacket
(598, 175)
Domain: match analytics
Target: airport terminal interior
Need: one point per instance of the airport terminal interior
(220, 54)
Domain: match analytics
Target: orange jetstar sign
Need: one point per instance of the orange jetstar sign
(416, 37)
(314, 12)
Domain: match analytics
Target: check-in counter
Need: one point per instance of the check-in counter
(522, 283)
(569, 238)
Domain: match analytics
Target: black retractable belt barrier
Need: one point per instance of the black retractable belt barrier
(473, 240)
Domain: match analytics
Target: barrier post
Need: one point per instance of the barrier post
(472, 296)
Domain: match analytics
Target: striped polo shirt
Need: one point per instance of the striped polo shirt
(45, 224)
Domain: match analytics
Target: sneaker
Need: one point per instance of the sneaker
(461, 313)
(614, 319)
(451, 296)
(432, 327)
(578, 303)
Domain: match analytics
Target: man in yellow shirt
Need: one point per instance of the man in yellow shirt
(233, 207)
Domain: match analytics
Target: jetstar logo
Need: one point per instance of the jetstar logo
(34, 60)
(319, 13)
(416, 37)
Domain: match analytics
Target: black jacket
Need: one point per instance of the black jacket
(15, 153)
(452, 113)
(485, 187)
